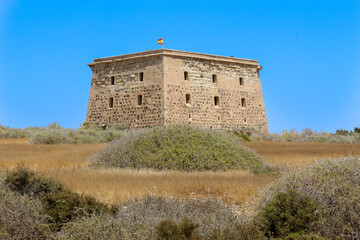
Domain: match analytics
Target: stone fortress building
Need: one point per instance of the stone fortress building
(162, 87)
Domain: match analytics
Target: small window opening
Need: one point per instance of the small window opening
(245, 120)
(243, 103)
(112, 80)
(241, 81)
(111, 102)
(139, 100)
(214, 78)
(141, 76)
(217, 101)
(109, 120)
(188, 99)
(190, 117)
(186, 76)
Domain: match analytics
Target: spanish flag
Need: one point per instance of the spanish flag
(161, 41)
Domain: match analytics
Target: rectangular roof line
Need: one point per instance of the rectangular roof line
(169, 52)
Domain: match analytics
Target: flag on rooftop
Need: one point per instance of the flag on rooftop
(161, 41)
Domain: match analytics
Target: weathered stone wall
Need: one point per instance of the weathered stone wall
(202, 111)
(164, 91)
(125, 91)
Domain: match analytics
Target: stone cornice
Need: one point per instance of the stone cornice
(174, 53)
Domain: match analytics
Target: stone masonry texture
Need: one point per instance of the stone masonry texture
(163, 87)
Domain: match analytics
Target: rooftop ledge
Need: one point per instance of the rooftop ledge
(169, 52)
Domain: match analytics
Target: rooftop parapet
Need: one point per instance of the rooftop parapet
(169, 52)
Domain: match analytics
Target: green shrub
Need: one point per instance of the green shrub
(287, 212)
(54, 125)
(180, 148)
(239, 231)
(88, 125)
(60, 203)
(21, 217)
(243, 135)
(118, 127)
(306, 135)
(334, 188)
(12, 133)
(343, 132)
(70, 136)
(170, 230)
(24, 181)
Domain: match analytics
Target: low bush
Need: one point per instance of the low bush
(13, 133)
(286, 213)
(60, 204)
(55, 134)
(141, 219)
(70, 136)
(21, 217)
(179, 148)
(306, 135)
(238, 231)
(332, 187)
(185, 230)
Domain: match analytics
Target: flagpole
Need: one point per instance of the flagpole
(162, 45)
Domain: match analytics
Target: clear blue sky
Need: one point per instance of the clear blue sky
(309, 50)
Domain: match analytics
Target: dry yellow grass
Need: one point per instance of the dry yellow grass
(37, 156)
(117, 186)
(68, 164)
(291, 155)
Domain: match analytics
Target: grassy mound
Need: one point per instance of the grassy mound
(321, 199)
(178, 148)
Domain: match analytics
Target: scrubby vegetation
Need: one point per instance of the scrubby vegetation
(55, 134)
(6, 132)
(21, 217)
(159, 218)
(306, 135)
(59, 203)
(322, 199)
(91, 133)
(319, 202)
(27, 213)
(179, 148)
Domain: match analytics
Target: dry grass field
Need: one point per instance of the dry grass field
(68, 163)
(291, 155)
